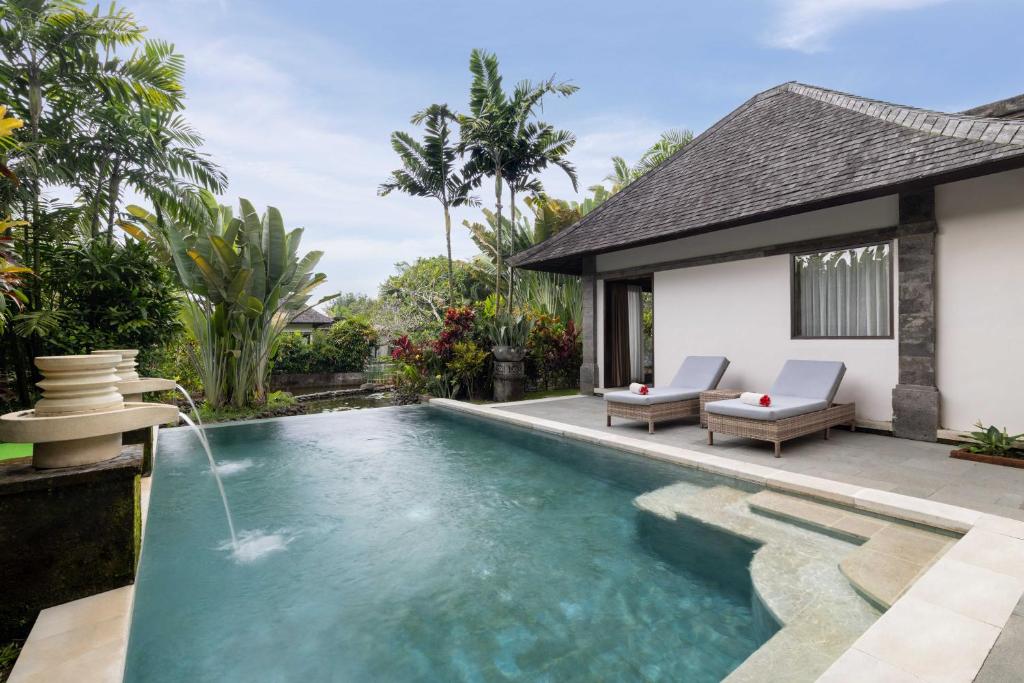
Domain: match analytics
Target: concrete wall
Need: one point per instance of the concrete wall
(980, 301)
(741, 309)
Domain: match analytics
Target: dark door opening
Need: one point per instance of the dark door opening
(628, 331)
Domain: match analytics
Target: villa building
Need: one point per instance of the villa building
(814, 224)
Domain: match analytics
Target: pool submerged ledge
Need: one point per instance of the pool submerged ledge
(941, 628)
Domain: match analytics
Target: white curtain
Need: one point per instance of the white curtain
(845, 293)
(635, 313)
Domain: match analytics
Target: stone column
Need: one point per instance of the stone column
(915, 400)
(588, 370)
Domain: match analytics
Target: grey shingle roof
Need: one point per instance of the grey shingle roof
(311, 316)
(790, 149)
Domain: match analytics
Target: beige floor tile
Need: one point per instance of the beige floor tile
(999, 553)
(855, 666)
(77, 613)
(859, 526)
(972, 591)
(930, 642)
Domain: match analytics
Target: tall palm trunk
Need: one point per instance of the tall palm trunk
(448, 243)
(497, 237)
(512, 226)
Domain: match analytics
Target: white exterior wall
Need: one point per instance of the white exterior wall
(741, 309)
(980, 301)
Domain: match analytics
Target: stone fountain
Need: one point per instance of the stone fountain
(84, 411)
(70, 518)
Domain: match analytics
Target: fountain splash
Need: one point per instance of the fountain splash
(213, 468)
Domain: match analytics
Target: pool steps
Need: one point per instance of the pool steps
(890, 556)
(794, 575)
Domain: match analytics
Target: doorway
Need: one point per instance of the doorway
(628, 331)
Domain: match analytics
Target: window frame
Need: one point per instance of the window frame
(794, 303)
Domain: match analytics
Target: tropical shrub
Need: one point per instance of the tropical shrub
(344, 347)
(111, 296)
(554, 353)
(467, 365)
(244, 281)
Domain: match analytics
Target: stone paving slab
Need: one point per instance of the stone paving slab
(913, 468)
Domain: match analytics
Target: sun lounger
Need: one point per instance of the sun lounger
(681, 398)
(801, 403)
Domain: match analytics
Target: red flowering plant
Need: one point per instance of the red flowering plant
(458, 326)
(766, 401)
(554, 353)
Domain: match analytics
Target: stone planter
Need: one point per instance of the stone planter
(509, 373)
(990, 459)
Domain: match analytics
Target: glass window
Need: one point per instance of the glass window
(843, 293)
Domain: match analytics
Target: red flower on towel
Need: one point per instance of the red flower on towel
(643, 390)
(766, 401)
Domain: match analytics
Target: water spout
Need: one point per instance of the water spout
(195, 411)
(213, 468)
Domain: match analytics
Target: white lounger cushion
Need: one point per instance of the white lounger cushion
(782, 407)
(700, 373)
(817, 379)
(666, 395)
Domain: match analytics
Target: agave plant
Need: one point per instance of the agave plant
(244, 282)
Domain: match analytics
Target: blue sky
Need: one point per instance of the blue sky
(297, 99)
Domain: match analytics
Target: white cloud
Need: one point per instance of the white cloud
(307, 130)
(806, 25)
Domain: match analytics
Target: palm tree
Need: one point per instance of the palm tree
(428, 170)
(670, 142)
(502, 138)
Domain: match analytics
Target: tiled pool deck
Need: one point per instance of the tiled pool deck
(962, 620)
(913, 468)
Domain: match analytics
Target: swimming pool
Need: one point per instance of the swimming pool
(416, 544)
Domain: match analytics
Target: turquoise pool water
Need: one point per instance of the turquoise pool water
(411, 544)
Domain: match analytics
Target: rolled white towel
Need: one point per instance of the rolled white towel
(637, 388)
(756, 399)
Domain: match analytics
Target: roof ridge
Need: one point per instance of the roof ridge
(963, 126)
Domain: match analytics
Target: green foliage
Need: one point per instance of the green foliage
(344, 347)
(244, 281)
(107, 296)
(467, 364)
(276, 400)
(554, 353)
(352, 305)
(508, 329)
(428, 170)
(993, 441)
(670, 142)
(414, 300)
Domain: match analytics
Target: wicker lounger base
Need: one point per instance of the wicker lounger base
(784, 429)
(656, 412)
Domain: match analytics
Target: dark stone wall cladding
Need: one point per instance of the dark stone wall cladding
(66, 534)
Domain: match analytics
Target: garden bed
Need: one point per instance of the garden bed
(1005, 461)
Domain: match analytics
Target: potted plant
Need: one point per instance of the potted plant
(993, 446)
(508, 334)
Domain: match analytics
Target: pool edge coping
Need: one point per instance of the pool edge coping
(938, 629)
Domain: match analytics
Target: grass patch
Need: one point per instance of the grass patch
(9, 451)
(276, 401)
